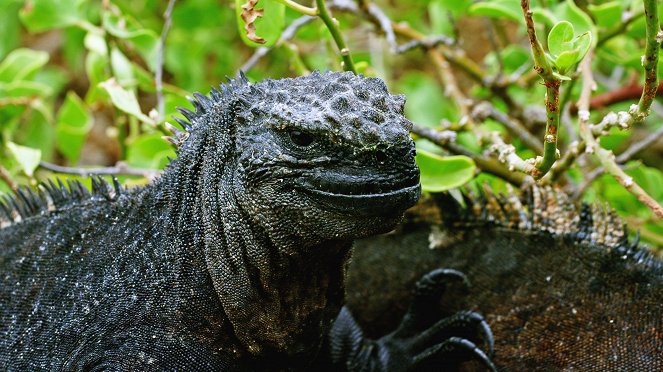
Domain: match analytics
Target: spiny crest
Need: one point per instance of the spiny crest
(203, 104)
(545, 210)
(52, 196)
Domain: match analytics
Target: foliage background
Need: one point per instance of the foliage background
(78, 82)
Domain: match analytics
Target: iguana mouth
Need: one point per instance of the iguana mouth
(362, 196)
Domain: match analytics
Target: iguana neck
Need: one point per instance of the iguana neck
(279, 303)
(278, 294)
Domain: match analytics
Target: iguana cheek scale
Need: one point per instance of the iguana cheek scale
(235, 257)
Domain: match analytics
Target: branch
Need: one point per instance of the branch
(425, 43)
(286, 35)
(6, 176)
(299, 8)
(168, 16)
(378, 17)
(506, 154)
(445, 140)
(119, 169)
(606, 157)
(625, 156)
(552, 83)
(621, 94)
(650, 59)
(456, 57)
(485, 110)
(332, 26)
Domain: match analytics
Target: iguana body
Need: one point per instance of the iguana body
(235, 258)
(561, 286)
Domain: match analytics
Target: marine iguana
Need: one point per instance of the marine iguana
(561, 285)
(235, 258)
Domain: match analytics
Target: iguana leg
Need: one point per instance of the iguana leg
(420, 341)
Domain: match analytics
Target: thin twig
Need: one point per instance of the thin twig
(6, 176)
(653, 38)
(552, 83)
(636, 147)
(454, 56)
(444, 140)
(299, 8)
(562, 165)
(506, 154)
(16, 101)
(426, 43)
(286, 35)
(168, 18)
(332, 26)
(381, 19)
(494, 45)
(625, 156)
(119, 169)
(485, 109)
(606, 157)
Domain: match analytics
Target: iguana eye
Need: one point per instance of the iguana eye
(302, 139)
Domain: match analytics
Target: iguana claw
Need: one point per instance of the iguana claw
(422, 341)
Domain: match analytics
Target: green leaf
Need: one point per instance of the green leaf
(10, 27)
(23, 88)
(582, 44)
(560, 38)
(560, 76)
(22, 64)
(650, 179)
(508, 9)
(97, 70)
(455, 7)
(149, 151)
(443, 173)
(607, 15)
(122, 69)
(145, 40)
(570, 12)
(426, 102)
(125, 100)
(42, 15)
(267, 27)
(566, 49)
(95, 43)
(28, 158)
(37, 131)
(73, 123)
(544, 16)
(565, 60)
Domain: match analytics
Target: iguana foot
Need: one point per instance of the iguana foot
(448, 341)
(421, 341)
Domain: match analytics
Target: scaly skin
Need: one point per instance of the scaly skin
(561, 286)
(235, 258)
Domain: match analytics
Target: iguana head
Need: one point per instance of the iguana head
(329, 153)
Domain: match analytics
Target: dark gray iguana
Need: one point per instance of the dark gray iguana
(561, 286)
(235, 258)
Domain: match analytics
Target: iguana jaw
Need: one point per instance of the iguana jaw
(377, 204)
(365, 197)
